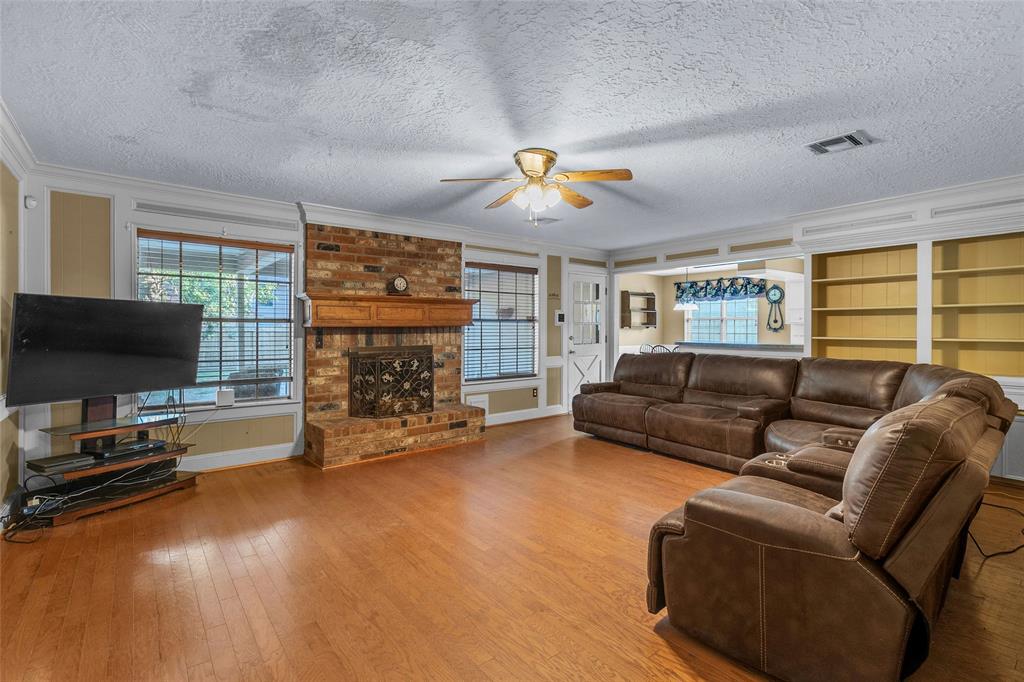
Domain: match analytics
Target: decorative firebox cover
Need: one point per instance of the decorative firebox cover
(390, 382)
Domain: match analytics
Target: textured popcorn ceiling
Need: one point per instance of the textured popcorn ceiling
(366, 106)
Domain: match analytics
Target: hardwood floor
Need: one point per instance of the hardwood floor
(520, 558)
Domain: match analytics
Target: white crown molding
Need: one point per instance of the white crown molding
(15, 149)
(363, 220)
(986, 207)
(719, 240)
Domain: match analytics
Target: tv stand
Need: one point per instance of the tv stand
(100, 430)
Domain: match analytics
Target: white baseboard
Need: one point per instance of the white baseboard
(523, 415)
(234, 458)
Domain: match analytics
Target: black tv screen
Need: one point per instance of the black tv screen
(70, 348)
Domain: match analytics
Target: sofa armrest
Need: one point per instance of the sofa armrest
(841, 438)
(763, 410)
(600, 387)
(759, 520)
(818, 461)
(770, 522)
(672, 523)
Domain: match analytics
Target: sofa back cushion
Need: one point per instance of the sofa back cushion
(900, 463)
(727, 380)
(654, 375)
(846, 392)
(921, 380)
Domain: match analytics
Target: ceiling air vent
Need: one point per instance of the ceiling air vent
(858, 138)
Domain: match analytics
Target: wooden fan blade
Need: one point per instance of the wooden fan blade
(503, 199)
(573, 198)
(482, 180)
(595, 175)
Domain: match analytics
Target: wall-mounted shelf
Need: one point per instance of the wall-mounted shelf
(895, 339)
(1010, 304)
(324, 310)
(864, 304)
(638, 310)
(997, 269)
(962, 339)
(978, 304)
(865, 278)
(865, 308)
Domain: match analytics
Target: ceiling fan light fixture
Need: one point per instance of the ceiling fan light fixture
(541, 191)
(551, 195)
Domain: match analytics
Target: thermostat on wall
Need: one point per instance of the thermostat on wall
(559, 318)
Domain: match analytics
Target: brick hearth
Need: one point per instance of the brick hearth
(346, 440)
(345, 261)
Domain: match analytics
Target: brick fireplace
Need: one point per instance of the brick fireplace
(354, 263)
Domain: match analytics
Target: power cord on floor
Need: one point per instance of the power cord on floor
(1006, 552)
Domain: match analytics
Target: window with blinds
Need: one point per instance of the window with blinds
(246, 291)
(502, 341)
(732, 321)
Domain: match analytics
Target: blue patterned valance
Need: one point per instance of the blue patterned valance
(724, 288)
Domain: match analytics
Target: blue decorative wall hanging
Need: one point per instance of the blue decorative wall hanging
(721, 289)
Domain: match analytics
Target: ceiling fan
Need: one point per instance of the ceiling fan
(539, 191)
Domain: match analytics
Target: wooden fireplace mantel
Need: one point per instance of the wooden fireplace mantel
(325, 310)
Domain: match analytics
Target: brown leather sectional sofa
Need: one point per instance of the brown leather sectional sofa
(725, 410)
(830, 557)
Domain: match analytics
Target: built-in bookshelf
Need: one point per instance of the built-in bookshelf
(864, 304)
(638, 310)
(978, 304)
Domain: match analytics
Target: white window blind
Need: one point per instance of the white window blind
(502, 341)
(246, 292)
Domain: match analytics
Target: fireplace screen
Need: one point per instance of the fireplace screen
(391, 382)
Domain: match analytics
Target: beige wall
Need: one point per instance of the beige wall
(239, 434)
(554, 334)
(80, 254)
(80, 246)
(554, 300)
(510, 400)
(554, 379)
(9, 200)
(644, 283)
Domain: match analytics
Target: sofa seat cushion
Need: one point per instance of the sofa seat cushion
(614, 409)
(704, 426)
(786, 435)
(813, 468)
(780, 492)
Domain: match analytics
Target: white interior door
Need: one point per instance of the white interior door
(587, 334)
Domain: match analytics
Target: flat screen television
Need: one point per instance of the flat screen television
(71, 348)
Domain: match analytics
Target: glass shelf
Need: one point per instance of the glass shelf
(111, 427)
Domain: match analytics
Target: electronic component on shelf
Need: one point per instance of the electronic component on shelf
(132, 447)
